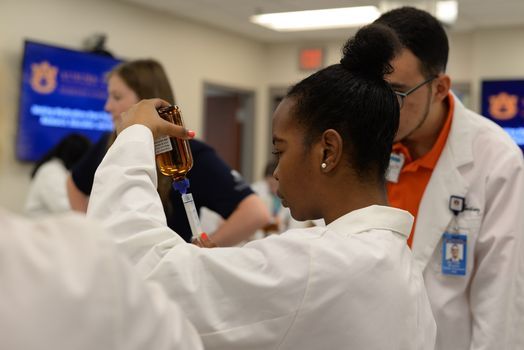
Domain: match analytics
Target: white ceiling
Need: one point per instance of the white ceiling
(233, 15)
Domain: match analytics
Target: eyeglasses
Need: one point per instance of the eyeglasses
(402, 95)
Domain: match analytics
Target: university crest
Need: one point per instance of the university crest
(43, 77)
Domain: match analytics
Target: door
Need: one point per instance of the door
(228, 126)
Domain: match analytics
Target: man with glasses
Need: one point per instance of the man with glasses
(462, 178)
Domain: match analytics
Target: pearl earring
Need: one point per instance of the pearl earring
(323, 165)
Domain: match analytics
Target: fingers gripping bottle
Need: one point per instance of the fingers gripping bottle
(174, 159)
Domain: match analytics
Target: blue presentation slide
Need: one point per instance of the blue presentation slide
(62, 91)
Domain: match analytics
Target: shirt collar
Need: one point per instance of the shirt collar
(372, 218)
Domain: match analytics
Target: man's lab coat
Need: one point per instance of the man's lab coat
(350, 285)
(485, 308)
(63, 285)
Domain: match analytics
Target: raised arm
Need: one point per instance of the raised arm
(201, 281)
(250, 215)
(124, 196)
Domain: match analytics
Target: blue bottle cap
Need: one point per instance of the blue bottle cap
(181, 185)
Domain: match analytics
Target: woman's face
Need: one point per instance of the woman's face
(296, 167)
(120, 97)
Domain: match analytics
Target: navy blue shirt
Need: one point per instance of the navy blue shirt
(213, 183)
(83, 172)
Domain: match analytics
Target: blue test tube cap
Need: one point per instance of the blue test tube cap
(181, 185)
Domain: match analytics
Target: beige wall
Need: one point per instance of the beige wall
(494, 53)
(194, 54)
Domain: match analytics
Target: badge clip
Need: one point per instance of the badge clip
(457, 204)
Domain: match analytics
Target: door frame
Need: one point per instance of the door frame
(247, 148)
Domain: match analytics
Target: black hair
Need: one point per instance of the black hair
(422, 34)
(69, 150)
(354, 99)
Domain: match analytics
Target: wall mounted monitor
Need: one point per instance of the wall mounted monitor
(62, 91)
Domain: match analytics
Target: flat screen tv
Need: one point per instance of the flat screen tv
(62, 91)
(503, 102)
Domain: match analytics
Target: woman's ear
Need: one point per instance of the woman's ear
(331, 145)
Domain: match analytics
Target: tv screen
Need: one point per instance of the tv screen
(62, 91)
(503, 102)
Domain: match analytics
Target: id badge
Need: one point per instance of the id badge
(396, 162)
(454, 254)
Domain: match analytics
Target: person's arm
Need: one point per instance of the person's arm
(214, 287)
(496, 287)
(250, 215)
(131, 208)
(77, 199)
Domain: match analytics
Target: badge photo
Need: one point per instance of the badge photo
(454, 254)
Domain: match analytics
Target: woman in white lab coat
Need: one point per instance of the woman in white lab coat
(48, 193)
(349, 285)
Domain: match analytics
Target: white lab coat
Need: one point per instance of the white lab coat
(64, 286)
(484, 309)
(48, 193)
(350, 285)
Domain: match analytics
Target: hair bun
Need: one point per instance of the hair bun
(370, 51)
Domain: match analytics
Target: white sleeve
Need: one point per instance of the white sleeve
(47, 193)
(149, 319)
(496, 288)
(219, 289)
(65, 286)
(124, 196)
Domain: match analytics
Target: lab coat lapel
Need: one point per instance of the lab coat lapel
(435, 205)
(446, 181)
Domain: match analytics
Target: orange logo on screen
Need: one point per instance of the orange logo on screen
(503, 106)
(43, 77)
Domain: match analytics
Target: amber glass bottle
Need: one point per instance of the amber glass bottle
(173, 155)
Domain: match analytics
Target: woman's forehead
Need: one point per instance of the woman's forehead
(282, 115)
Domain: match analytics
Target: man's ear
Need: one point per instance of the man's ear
(331, 146)
(443, 86)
